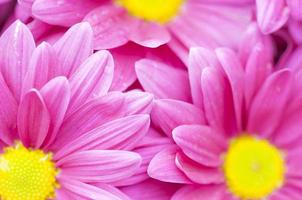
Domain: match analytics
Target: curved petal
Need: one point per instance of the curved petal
(33, 119)
(137, 102)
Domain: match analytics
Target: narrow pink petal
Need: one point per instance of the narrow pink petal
(198, 173)
(93, 78)
(151, 190)
(8, 112)
(56, 95)
(137, 102)
(163, 167)
(168, 114)
(63, 13)
(149, 34)
(234, 71)
(73, 48)
(41, 67)
(117, 192)
(200, 143)
(122, 133)
(199, 58)
(270, 103)
(99, 165)
(16, 47)
(124, 60)
(33, 119)
(271, 15)
(86, 191)
(218, 101)
(89, 116)
(162, 80)
(110, 26)
(208, 192)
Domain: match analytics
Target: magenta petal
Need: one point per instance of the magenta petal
(168, 114)
(271, 15)
(89, 116)
(150, 190)
(118, 134)
(99, 165)
(92, 79)
(200, 143)
(149, 34)
(56, 94)
(85, 191)
(73, 48)
(63, 13)
(198, 173)
(110, 26)
(137, 102)
(8, 112)
(163, 167)
(207, 192)
(42, 67)
(162, 80)
(16, 47)
(270, 103)
(33, 119)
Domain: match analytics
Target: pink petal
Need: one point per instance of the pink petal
(234, 71)
(162, 167)
(124, 60)
(198, 173)
(150, 190)
(149, 34)
(86, 191)
(268, 107)
(199, 58)
(118, 134)
(16, 47)
(208, 192)
(73, 48)
(63, 13)
(168, 114)
(8, 112)
(271, 15)
(92, 79)
(218, 101)
(99, 165)
(89, 116)
(56, 95)
(162, 80)
(112, 190)
(41, 68)
(110, 26)
(137, 102)
(33, 119)
(200, 143)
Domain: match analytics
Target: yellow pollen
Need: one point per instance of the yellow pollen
(26, 174)
(152, 10)
(253, 167)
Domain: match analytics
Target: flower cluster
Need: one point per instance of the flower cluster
(150, 99)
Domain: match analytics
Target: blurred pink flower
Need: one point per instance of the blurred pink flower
(55, 102)
(237, 99)
(198, 23)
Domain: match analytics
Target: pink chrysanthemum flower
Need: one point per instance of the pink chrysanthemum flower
(150, 23)
(62, 135)
(242, 137)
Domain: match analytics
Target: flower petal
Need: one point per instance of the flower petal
(137, 102)
(162, 80)
(33, 119)
(168, 114)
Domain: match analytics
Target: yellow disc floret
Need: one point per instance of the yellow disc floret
(26, 174)
(152, 10)
(253, 167)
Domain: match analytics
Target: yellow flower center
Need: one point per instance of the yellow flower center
(253, 167)
(26, 174)
(152, 10)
